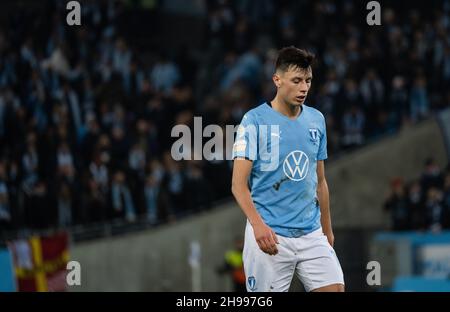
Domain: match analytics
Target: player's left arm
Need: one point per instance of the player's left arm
(324, 202)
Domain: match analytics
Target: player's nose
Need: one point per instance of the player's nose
(303, 88)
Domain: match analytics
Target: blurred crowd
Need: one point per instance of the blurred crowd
(422, 204)
(369, 80)
(84, 125)
(86, 116)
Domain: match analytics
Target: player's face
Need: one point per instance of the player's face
(293, 84)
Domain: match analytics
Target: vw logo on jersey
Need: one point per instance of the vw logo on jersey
(296, 165)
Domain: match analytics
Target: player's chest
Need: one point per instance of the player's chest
(292, 139)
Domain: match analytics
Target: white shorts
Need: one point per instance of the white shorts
(310, 257)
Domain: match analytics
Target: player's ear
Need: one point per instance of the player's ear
(276, 80)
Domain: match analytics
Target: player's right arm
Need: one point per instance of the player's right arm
(264, 235)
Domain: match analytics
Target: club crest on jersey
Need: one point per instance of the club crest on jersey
(251, 283)
(314, 134)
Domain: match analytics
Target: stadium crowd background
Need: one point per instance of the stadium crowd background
(422, 204)
(86, 116)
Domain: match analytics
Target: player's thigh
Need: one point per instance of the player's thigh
(265, 272)
(319, 266)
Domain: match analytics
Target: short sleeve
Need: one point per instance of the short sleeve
(245, 144)
(322, 153)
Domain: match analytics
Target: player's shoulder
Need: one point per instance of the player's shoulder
(314, 113)
(254, 114)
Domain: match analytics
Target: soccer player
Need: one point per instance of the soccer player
(279, 183)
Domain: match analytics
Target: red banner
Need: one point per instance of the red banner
(40, 262)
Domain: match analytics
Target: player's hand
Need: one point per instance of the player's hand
(266, 238)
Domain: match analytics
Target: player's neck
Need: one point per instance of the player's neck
(290, 111)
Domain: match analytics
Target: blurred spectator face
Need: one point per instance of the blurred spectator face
(151, 181)
(142, 127)
(102, 147)
(155, 103)
(293, 84)
(434, 195)
(182, 95)
(40, 189)
(350, 85)
(398, 83)
(21, 113)
(31, 140)
(65, 160)
(119, 177)
(195, 171)
(185, 118)
(119, 113)
(103, 108)
(105, 157)
(420, 82)
(103, 142)
(352, 45)
(93, 125)
(118, 133)
(120, 44)
(242, 25)
(146, 86)
(389, 16)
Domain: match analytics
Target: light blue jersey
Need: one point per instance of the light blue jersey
(283, 180)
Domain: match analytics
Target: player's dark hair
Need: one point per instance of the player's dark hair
(292, 56)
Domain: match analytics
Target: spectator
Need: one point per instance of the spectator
(431, 177)
(398, 99)
(64, 206)
(416, 206)
(198, 189)
(233, 265)
(434, 209)
(174, 183)
(427, 201)
(397, 205)
(164, 75)
(154, 199)
(419, 105)
(122, 201)
(353, 127)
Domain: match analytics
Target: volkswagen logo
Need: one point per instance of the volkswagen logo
(296, 165)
